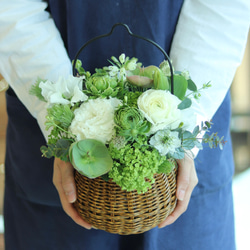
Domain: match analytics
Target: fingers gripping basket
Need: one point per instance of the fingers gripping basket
(106, 207)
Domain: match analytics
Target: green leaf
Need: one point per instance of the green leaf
(48, 152)
(179, 154)
(180, 86)
(160, 80)
(208, 124)
(37, 91)
(188, 140)
(196, 131)
(90, 158)
(191, 85)
(105, 177)
(198, 144)
(62, 149)
(79, 67)
(186, 103)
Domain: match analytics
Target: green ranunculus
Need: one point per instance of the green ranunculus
(131, 122)
(103, 85)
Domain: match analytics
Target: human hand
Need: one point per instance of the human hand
(186, 181)
(63, 179)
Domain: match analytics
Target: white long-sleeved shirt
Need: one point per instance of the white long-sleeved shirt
(209, 42)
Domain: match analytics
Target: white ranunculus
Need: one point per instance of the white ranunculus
(165, 141)
(94, 119)
(160, 108)
(64, 91)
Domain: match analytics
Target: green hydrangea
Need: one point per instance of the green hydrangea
(134, 166)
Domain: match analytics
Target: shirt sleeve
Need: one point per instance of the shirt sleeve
(209, 42)
(30, 46)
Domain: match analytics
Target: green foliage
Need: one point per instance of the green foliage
(60, 149)
(36, 90)
(186, 103)
(191, 85)
(196, 93)
(214, 140)
(160, 80)
(79, 68)
(180, 86)
(179, 153)
(58, 120)
(90, 158)
(60, 116)
(191, 139)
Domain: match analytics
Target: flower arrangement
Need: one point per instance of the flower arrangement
(122, 122)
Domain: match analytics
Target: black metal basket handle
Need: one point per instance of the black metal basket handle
(133, 35)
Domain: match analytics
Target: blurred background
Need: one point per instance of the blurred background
(240, 130)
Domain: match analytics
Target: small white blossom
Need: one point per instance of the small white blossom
(122, 74)
(164, 66)
(113, 70)
(185, 74)
(122, 58)
(132, 64)
(165, 141)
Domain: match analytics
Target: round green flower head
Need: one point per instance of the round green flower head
(131, 122)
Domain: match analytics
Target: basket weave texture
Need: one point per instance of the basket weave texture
(106, 207)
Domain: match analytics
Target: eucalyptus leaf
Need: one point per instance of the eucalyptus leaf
(178, 154)
(198, 144)
(188, 140)
(90, 158)
(191, 85)
(62, 149)
(196, 131)
(48, 152)
(186, 103)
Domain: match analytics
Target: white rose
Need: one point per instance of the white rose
(64, 91)
(94, 119)
(160, 108)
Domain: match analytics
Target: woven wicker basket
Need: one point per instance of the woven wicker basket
(106, 207)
